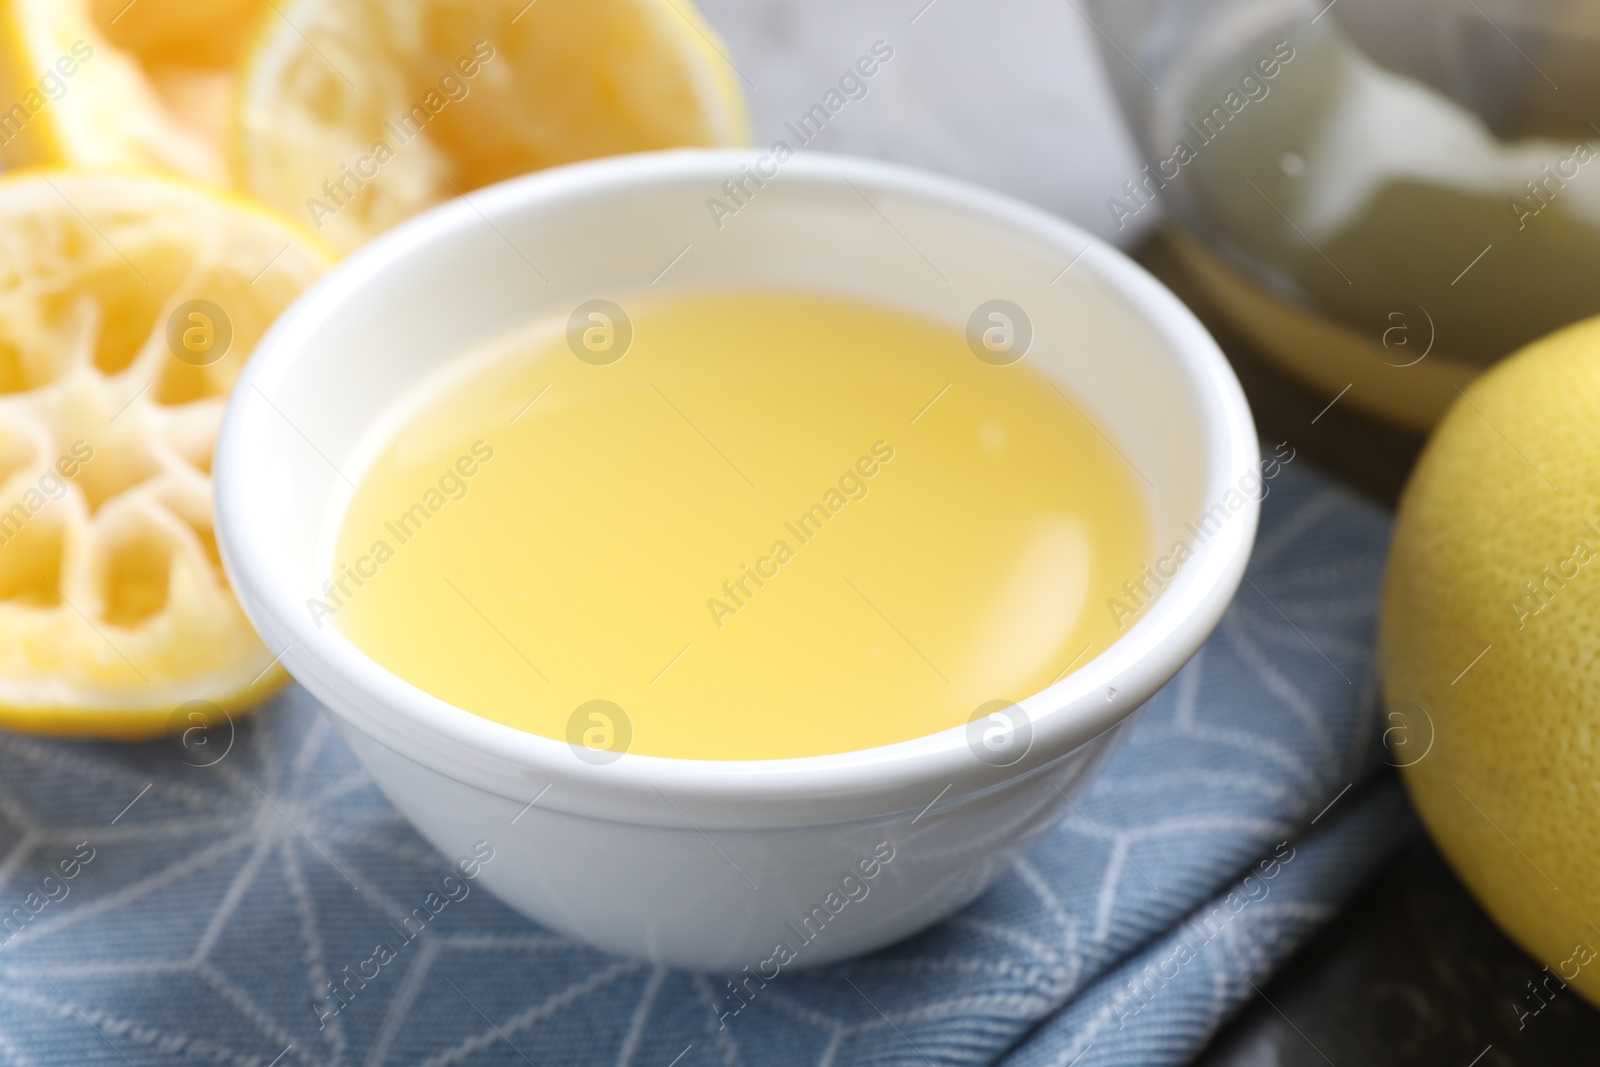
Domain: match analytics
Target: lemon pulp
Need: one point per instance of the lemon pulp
(115, 612)
(779, 525)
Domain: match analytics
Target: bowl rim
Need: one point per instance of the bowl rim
(513, 763)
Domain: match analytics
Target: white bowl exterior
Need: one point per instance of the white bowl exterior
(625, 855)
(721, 899)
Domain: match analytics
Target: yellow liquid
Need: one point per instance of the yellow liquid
(781, 525)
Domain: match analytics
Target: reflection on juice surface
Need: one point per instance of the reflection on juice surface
(778, 525)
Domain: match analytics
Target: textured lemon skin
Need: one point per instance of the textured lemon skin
(1508, 486)
(235, 697)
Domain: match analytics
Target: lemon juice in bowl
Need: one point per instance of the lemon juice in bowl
(735, 525)
(764, 380)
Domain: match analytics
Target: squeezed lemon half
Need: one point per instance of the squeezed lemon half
(356, 114)
(128, 304)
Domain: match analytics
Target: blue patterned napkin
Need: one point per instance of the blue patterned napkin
(157, 912)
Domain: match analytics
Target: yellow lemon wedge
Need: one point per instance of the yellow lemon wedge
(128, 304)
(120, 83)
(1489, 641)
(354, 115)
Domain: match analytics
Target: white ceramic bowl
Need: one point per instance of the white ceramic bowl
(706, 863)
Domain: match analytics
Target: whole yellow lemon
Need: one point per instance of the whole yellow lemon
(1490, 646)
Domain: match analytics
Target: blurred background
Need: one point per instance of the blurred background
(957, 65)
